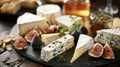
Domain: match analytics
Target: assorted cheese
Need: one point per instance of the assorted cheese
(49, 11)
(27, 21)
(84, 43)
(57, 47)
(111, 36)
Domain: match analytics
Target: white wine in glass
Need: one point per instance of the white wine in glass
(109, 8)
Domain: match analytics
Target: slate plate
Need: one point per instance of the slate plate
(84, 61)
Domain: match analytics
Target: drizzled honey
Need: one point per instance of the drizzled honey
(77, 7)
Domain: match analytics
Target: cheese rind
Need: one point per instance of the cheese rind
(57, 47)
(111, 36)
(84, 43)
(49, 11)
(27, 21)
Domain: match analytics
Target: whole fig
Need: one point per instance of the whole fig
(36, 42)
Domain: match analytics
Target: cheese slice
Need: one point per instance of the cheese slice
(27, 21)
(84, 43)
(48, 38)
(111, 36)
(66, 21)
(49, 11)
(116, 22)
(57, 47)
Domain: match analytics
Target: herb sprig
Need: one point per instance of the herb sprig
(62, 30)
(77, 22)
(61, 58)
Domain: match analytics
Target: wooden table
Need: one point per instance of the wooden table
(8, 21)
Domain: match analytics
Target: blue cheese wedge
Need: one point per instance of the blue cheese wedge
(84, 43)
(111, 36)
(57, 47)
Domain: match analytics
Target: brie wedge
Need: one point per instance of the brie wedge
(84, 43)
(28, 21)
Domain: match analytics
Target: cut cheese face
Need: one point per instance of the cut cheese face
(27, 21)
(57, 47)
(49, 11)
(66, 21)
(48, 38)
(84, 43)
(111, 36)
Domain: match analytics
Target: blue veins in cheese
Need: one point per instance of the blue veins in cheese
(84, 43)
(57, 47)
(111, 36)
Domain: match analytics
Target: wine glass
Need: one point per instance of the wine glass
(109, 8)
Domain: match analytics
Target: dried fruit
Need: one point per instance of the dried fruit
(6, 39)
(108, 52)
(96, 50)
(9, 47)
(36, 42)
(31, 35)
(1, 42)
(20, 43)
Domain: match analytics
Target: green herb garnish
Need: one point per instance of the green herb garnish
(61, 58)
(62, 31)
(101, 14)
(77, 22)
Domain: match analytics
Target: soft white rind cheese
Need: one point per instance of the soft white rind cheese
(111, 36)
(66, 21)
(57, 47)
(49, 11)
(28, 20)
(84, 43)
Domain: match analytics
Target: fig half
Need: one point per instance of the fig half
(108, 52)
(20, 43)
(96, 50)
(31, 35)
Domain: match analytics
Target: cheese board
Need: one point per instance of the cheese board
(84, 61)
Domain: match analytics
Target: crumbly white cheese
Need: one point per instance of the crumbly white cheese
(57, 47)
(66, 21)
(84, 43)
(111, 36)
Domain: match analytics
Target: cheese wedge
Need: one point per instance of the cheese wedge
(49, 11)
(27, 21)
(48, 38)
(116, 22)
(84, 43)
(57, 47)
(66, 21)
(111, 36)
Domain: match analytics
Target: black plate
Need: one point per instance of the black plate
(84, 61)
